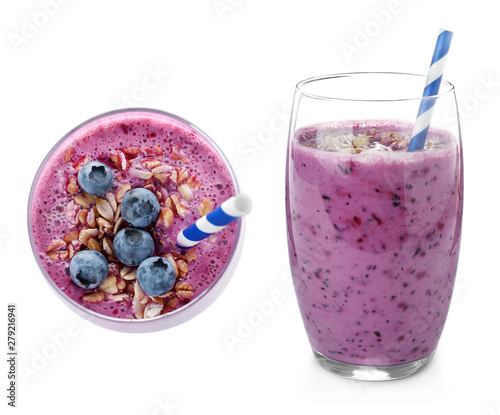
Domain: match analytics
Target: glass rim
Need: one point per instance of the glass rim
(300, 86)
(154, 322)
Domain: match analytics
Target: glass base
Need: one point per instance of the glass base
(372, 373)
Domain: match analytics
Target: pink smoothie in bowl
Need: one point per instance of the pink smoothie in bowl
(190, 177)
(374, 236)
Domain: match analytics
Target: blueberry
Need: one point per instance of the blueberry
(95, 178)
(132, 246)
(156, 276)
(140, 207)
(88, 269)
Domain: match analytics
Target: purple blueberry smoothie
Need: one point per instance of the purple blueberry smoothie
(144, 149)
(374, 236)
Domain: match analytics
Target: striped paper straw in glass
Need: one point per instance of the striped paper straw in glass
(229, 211)
(432, 84)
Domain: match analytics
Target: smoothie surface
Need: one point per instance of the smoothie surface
(144, 149)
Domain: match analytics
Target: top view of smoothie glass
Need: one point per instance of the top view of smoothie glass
(373, 228)
(133, 220)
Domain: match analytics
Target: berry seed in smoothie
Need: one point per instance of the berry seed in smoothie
(374, 235)
(123, 186)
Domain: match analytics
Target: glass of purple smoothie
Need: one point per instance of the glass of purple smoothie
(373, 230)
(188, 175)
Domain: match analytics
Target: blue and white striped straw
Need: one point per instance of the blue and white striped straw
(232, 209)
(434, 77)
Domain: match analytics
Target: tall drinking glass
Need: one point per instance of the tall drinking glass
(373, 230)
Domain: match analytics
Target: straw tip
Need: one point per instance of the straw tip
(243, 203)
(448, 32)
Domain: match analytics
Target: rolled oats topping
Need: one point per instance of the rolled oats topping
(119, 160)
(104, 208)
(95, 297)
(109, 286)
(184, 290)
(348, 143)
(72, 186)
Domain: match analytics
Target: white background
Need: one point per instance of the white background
(230, 67)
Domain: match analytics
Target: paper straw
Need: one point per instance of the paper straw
(229, 211)
(432, 84)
